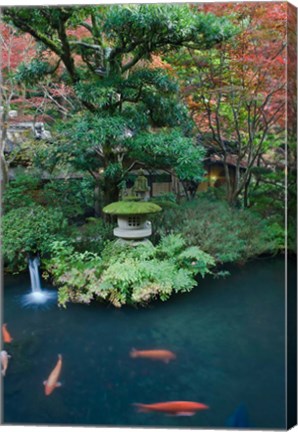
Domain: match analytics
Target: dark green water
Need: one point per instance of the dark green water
(228, 334)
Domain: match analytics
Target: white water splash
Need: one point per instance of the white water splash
(38, 298)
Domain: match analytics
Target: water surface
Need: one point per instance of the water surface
(228, 335)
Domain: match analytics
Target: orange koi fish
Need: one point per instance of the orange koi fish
(52, 382)
(176, 408)
(5, 334)
(4, 361)
(162, 355)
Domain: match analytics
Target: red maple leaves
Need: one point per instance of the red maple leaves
(16, 47)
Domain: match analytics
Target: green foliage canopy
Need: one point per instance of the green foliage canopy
(120, 96)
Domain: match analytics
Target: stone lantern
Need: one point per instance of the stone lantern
(141, 188)
(132, 218)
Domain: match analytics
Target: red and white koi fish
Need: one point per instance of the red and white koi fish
(162, 355)
(5, 334)
(4, 361)
(176, 408)
(52, 382)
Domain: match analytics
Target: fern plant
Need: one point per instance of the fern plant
(127, 275)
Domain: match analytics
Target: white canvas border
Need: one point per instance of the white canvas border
(33, 428)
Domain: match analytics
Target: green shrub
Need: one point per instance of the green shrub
(76, 273)
(92, 236)
(164, 204)
(165, 201)
(125, 274)
(74, 197)
(268, 199)
(228, 234)
(21, 191)
(29, 230)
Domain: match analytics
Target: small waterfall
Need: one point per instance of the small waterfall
(36, 296)
(34, 274)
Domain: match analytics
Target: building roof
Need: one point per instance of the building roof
(43, 118)
(230, 159)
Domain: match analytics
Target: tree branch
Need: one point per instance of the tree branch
(25, 27)
(132, 62)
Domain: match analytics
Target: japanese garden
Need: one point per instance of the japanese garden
(148, 160)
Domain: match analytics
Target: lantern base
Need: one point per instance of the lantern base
(133, 233)
(133, 242)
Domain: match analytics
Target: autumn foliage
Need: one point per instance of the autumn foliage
(15, 47)
(257, 56)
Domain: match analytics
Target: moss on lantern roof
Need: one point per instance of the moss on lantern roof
(131, 208)
(131, 198)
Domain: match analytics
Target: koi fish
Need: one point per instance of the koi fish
(4, 361)
(162, 355)
(5, 334)
(52, 382)
(176, 408)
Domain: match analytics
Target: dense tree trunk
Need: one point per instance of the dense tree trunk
(4, 174)
(97, 200)
(110, 192)
(175, 187)
(104, 195)
(190, 189)
(245, 192)
(185, 191)
(229, 186)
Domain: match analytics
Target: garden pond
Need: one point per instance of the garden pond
(228, 336)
